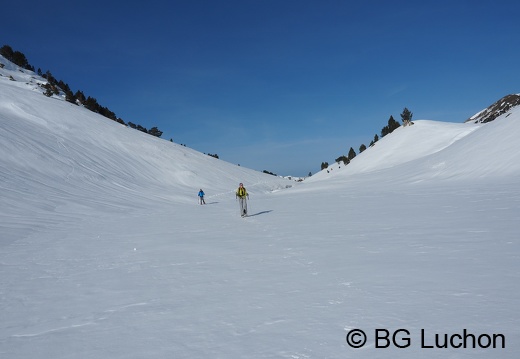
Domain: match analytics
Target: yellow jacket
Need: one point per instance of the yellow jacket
(241, 192)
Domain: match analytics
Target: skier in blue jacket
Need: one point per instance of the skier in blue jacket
(201, 197)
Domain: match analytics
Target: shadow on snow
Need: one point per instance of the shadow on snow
(259, 213)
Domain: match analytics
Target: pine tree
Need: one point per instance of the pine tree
(80, 97)
(351, 154)
(21, 60)
(406, 116)
(392, 125)
(7, 52)
(91, 104)
(154, 131)
(343, 159)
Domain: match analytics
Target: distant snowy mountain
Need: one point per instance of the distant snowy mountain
(444, 150)
(493, 111)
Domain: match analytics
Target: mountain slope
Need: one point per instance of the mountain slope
(430, 149)
(105, 254)
(56, 154)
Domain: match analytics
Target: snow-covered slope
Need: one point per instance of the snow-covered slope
(105, 253)
(56, 153)
(430, 149)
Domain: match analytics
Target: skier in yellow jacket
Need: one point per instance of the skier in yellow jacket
(242, 197)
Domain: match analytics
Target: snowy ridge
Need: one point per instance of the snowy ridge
(106, 254)
(500, 107)
(63, 135)
(430, 149)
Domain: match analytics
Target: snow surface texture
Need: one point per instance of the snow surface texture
(105, 253)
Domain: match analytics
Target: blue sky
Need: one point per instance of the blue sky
(271, 84)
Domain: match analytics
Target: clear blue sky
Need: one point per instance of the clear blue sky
(272, 84)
